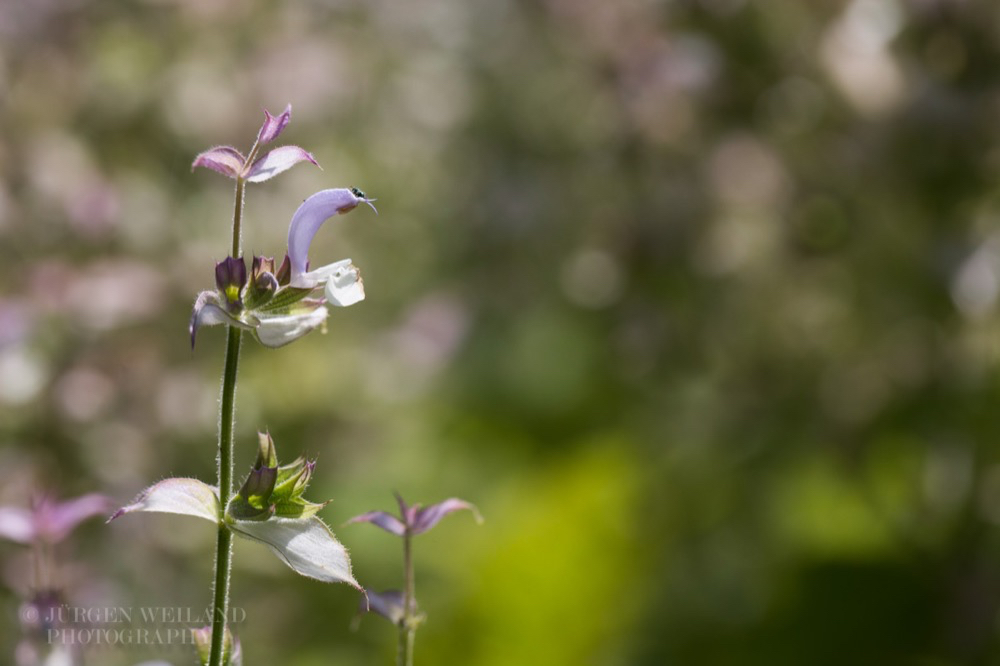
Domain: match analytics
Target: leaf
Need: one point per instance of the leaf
(285, 297)
(307, 546)
(189, 497)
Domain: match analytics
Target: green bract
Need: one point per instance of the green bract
(273, 491)
(269, 508)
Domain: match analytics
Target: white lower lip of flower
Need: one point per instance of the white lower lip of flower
(345, 287)
(280, 330)
(319, 276)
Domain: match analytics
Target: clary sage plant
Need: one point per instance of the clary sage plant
(276, 305)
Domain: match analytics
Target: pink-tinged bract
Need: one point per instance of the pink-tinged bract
(224, 159)
(277, 161)
(273, 125)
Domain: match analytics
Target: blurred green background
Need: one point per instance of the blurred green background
(696, 300)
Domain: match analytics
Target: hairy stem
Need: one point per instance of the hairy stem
(238, 216)
(224, 543)
(227, 419)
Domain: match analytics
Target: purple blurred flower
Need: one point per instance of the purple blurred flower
(49, 521)
(231, 163)
(282, 305)
(414, 520)
(389, 604)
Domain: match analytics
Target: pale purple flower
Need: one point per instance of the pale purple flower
(279, 306)
(49, 521)
(231, 163)
(307, 220)
(413, 520)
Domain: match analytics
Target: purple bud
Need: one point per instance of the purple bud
(277, 161)
(261, 265)
(386, 521)
(429, 517)
(284, 272)
(258, 486)
(307, 220)
(230, 278)
(407, 513)
(273, 126)
(224, 159)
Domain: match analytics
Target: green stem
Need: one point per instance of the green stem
(238, 216)
(224, 542)
(408, 627)
(227, 420)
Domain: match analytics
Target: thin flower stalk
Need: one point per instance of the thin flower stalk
(401, 608)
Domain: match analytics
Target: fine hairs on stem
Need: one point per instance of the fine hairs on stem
(227, 421)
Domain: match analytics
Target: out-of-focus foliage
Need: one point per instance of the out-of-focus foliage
(695, 299)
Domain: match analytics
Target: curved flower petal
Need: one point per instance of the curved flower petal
(225, 159)
(307, 546)
(307, 220)
(209, 311)
(277, 161)
(279, 330)
(189, 497)
(273, 126)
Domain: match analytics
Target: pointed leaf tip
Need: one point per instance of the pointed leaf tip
(307, 546)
